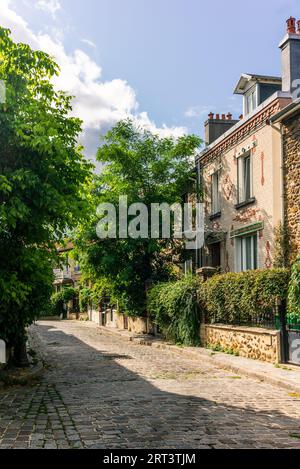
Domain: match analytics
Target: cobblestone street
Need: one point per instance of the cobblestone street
(100, 392)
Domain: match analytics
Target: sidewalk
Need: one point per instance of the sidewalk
(284, 376)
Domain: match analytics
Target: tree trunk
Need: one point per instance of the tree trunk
(20, 355)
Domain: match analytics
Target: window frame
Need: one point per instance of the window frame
(251, 100)
(215, 204)
(241, 256)
(242, 190)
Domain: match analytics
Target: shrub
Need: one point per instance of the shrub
(294, 291)
(241, 298)
(85, 297)
(93, 294)
(58, 300)
(174, 308)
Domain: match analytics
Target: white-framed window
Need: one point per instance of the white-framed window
(245, 192)
(246, 252)
(215, 193)
(250, 101)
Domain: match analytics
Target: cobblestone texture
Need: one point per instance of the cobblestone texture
(100, 392)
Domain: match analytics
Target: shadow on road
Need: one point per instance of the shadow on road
(124, 410)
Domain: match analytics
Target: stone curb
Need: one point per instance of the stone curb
(260, 370)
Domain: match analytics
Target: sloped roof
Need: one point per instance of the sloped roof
(248, 77)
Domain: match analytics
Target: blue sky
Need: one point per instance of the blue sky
(167, 63)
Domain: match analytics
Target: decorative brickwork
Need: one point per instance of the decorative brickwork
(249, 127)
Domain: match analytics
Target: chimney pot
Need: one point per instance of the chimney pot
(223, 117)
(291, 25)
(211, 115)
(229, 116)
(241, 117)
(218, 116)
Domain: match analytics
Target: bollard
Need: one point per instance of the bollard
(2, 352)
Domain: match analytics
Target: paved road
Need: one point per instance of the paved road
(100, 392)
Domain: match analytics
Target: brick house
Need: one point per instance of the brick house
(242, 169)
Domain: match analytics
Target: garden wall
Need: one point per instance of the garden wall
(249, 342)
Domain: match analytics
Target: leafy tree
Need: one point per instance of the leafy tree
(147, 169)
(42, 179)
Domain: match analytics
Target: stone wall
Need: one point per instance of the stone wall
(291, 145)
(259, 344)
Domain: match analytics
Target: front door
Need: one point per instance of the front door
(215, 253)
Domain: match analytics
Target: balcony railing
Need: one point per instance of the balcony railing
(62, 274)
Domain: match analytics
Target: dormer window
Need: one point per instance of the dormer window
(256, 89)
(250, 101)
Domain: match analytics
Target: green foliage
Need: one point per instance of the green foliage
(85, 298)
(243, 297)
(294, 292)
(60, 300)
(147, 169)
(93, 295)
(174, 307)
(42, 182)
(281, 254)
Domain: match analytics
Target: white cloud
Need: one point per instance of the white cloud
(100, 104)
(198, 111)
(49, 6)
(89, 43)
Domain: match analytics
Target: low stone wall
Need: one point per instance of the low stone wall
(135, 325)
(138, 325)
(249, 342)
(120, 321)
(94, 316)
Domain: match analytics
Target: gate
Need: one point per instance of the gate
(290, 338)
(293, 343)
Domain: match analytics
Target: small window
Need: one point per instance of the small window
(250, 100)
(246, 253)
(245, 179)
(215, 193)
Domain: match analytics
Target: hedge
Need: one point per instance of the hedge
(174, 308)
(243, 298)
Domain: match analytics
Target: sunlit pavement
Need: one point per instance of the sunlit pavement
(100, 392)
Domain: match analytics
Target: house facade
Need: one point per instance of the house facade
(69, 273)
(288, 124)
(242, 169)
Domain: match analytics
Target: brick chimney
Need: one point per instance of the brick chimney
(217, 126)
(290, 56)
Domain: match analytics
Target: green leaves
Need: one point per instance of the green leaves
(246, 297)
(174, 307)
(294, 290)
(146, 169)
(43, 178)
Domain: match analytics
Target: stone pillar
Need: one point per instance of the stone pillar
(206, 272)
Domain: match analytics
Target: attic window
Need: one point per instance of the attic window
(250, 101)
